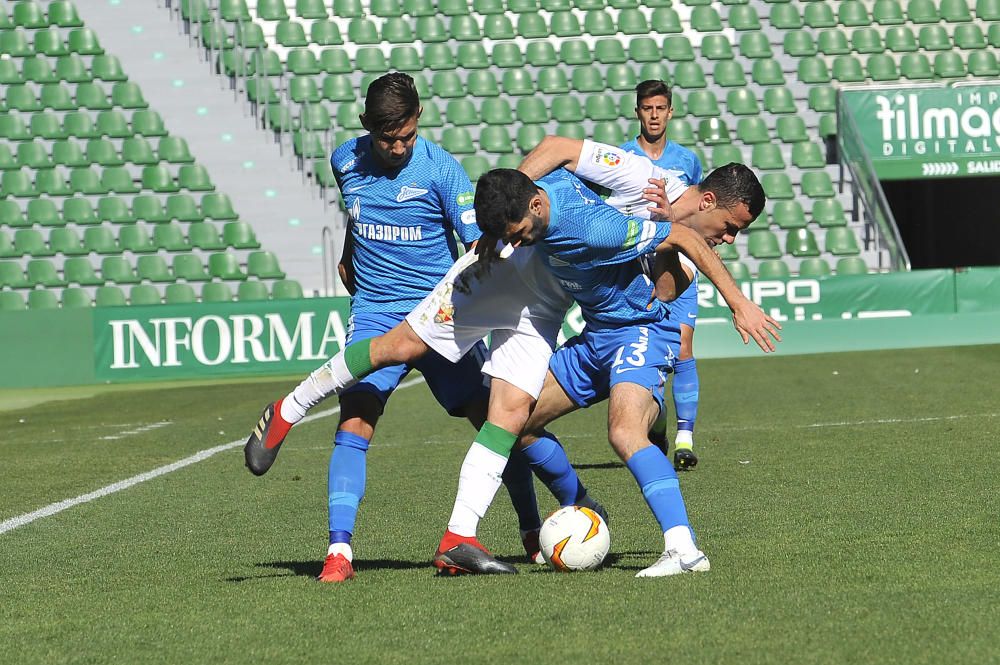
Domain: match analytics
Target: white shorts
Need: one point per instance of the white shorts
(518, 302)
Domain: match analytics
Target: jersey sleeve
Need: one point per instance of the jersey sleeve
(611, 237)
(696, 174)
(624, 173)
(456, 192)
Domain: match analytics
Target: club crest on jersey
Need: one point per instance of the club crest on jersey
(607, 158)
(445, 314)
(406, 193)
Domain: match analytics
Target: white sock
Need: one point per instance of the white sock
(341, 548)
(684, 436)
(330, 378)
(679, 539)
(478, 483)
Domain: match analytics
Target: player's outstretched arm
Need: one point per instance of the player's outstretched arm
(749, 319)
(550, 154)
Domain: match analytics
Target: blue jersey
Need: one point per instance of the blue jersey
(592, 249)
(676, 160)
(402, 222)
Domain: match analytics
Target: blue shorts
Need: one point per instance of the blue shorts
(685, 308)
(454, 385)
(595, 360)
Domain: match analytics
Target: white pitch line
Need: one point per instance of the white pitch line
(52, 509)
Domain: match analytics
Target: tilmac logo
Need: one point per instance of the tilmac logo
(212, 340)
(968, 123)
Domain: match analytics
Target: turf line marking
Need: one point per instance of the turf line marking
(52, 509)
(896, 421)
(137, 430)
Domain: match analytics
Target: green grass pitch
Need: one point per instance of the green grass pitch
(848, 504)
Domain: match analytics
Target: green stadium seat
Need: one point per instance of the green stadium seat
(447, 84)
(900, 39)
(552, 81)
(475, 166)
(752, 130)
(50, 43)
(867, 40)
(969, 36)
(755, 45)
(529, 26)
(396, 30)
(158, 178)
(643, 49)
(42, 272)
(495, 140)
(325, 33)
(13, 127)
(498, 26)
(888, 12)
(18, 184)
(785, 17)
(789, 215)
(716, 47)
(632, 21)
(609, 132)
(779, 101)
(767, 157)
(101, 240)
(596, 22)
(234, 11)
(316, 9)
(33, 155)
(15, 43)
(291, 34)
(808, 155)
(726, 154)
(677, 48)
(11, 301)
(823, 98)
(152, 268)
(29, 242)
(949, 64)
(703, 104)
(118, 180)
(195, 178)
(713, 131)
(689, 76)
(115, 209)
(934, 38)
(767, 72)
(68, 153)
(264, 265)
(738, 270)
(572, 131)
(136, 150)
(412, 7)
(588, 79)
(144, 294)
(983, 63)
(530, 110)
(22, 98)
(922, 11)
(773, 269)
(204, 236)
(84, 42)
(457, 141)
(791, 129)
(148, 123)
(286, 289)
(988, 10)
(777, 186)
(28, 14)
(564, 24)
(567, 109)
(763, 244)
(528, 136)
(828, 212)
(882, 68)
(149, 208)
(575, 52)
(7, 248)
(840, 241)
(705, 19)
(179, 294)
(993, 34)
(118, 270)
(9, 73)
(852, 265)
(335, 61)
(63, 14)
(249, 291)
(42, 299)
(541, 54)
(170, 237)
(272, 10)
(817, 185)
(79, 270)
(833, 42)
(610, 52)
(38, 70)
(214, 292)
(601, 107)
(11, 215)
(337, 88)
(43, 212)
(239, 235)
(742, 102)
(134, 238)
(189, 268)
(225, 266)
(507, 55)
(814, 267)
(819, 15)
(12, 275)
(801, 243)
(743, 17)
(955, 11)
(109, 296)
(665, 20)
(853, 13)
(813, 70)
(528, 6)
(405, 59)
(217, 207)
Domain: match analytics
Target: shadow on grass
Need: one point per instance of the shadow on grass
(601, 465)
(313, 568)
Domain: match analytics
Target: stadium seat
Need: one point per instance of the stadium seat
(520, 82)
(214, 292)
(498, 26)
(149, 208)
(153, 268)
(12, 275)
(703, 104)
(541, 54)
(179, 294)
(705, 19)
(791, 129)
(170, 237)
(785, 17)
(934, 38)
(272, 10)
(66, 241)
(983, 63)
(42, 299)
(144, 294)
(726, 154)
(264, 265)
(457, 141)
(286, 289)
(777, 186)
(767, 157)
(101, 240)
(183, 208)
(955, 11)
(969, 36)
(763, 244)
(828, 212)
(189, 268)
(118, 270)
(600, 107)
(949, 64)
(204, 236)
(852, 265)
(11, 301)
(689, 76)
(7, 249)
(799, 44)
(755, 45)
(250, 290)
(528, 136)
(194, 177)
(325, 33)
(225, 266)
(867, 40)
(713, 131)
(42, 272)
(30, 242)
(530, 110)
(817, 185)
(823, 98)
(779, 101)
(742, 102)
(135, 239)
(840, 240)
(148, 123)
(888, 12)
(109, 296)
(114, 209)
(575, 52)
(882, 68)
(677, 48)
(610, 52)
(801, 243)
(396, 30)
(847, 69)
(752, 130)
(716, 47)
(217, 207)
(813, 70)
(475, 166)
(506, 55)
(789, 215)
(988, 10)
(63, 14)
(814, 267)
(773, 269)
(79, 270)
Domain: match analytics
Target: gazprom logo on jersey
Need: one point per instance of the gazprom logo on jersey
(192, 339)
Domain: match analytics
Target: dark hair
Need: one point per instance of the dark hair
(653, 88)
(392, 99)
(733, 184)
(502, 196)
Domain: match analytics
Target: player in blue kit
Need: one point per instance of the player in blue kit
(406, 198)
(629, 341)
(654, 108)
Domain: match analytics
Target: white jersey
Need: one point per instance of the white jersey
(518, 302)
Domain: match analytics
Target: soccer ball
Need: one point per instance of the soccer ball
(574, 538)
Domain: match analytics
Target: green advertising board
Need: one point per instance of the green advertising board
(928, 131)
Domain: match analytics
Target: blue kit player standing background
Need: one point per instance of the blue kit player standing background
(654, 108)
(406, 198)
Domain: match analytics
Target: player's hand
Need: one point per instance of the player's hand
(656, 194)
(751, 322)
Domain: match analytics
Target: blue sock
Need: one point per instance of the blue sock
(658, 482)
(549, 462)
(686, 393)
(521, 487)
(346, 484)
